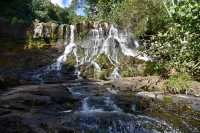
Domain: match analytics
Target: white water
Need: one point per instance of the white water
(100, 104)
(70, 48)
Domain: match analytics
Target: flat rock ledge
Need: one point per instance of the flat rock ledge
(151, 87)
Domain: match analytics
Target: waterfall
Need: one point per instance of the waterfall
(101, 39)
(71, 47)
(98, 44)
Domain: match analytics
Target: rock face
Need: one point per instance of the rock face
(34, 109)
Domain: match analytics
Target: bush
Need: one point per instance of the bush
(178, 45)
(179, 83)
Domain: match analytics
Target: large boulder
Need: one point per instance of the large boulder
(38, 29)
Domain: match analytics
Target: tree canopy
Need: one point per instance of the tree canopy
(28, 10)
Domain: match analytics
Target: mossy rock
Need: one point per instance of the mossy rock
(103, 75)
(87, 71)
(167, 99)
(71, 60)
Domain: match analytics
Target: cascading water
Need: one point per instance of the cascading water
(102, 114)
(99, 104)
(101, 39)
(99, 43)
(71, 47)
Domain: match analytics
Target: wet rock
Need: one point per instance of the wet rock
(13, 124)
(54, 27)
(60, 33)
(105, 26)
(38, 29)
(154, 95)
(151, 84)
(136, 84)
(195, 88)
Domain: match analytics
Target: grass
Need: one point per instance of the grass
(178, 83)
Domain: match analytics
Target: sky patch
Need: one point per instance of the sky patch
(66, 3)
(62, 3)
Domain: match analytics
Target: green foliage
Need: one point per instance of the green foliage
(40, 9)
(128, 72)
(154, 68)
(45, 11)
(25, 11)
(139, 16)
(16, 11)
(179, 83)
(178, 45)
